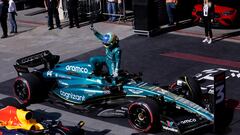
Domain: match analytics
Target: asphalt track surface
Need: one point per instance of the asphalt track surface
(164, 58)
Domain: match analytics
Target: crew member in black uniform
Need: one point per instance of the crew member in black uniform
(208, 14)
(3, 17)
(72, 6)
(52, 8)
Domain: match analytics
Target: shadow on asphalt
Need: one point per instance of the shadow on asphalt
(19, 32)
(227, 35)
(103, 132)
(43, 115)
(178, 26)
(170, 28)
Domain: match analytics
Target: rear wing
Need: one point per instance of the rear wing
(45, 58)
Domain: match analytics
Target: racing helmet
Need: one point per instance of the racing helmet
(110, 39)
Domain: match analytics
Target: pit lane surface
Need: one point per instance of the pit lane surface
(161, 59)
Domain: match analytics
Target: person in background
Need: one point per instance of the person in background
(12, 11)
(208, 13)
(73, 13)
(171, 11)
(120, 6)
(52, 7)
(3, 17)
(111, 8)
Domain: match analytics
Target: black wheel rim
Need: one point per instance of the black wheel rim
(21, 90)
(140, 117)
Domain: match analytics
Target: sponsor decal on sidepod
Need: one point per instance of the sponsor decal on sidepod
(168, 125)
(188, 121)
(72, 96)
(76, 69)
(170, 129)
(135, 91)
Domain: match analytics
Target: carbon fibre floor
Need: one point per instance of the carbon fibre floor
(164, 58)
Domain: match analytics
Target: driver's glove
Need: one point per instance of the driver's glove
(92, 28)
(115, 73)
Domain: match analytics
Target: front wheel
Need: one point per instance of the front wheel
(144, 115)
(191, 90)
(28, 88)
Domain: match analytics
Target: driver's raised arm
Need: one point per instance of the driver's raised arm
(97, 34)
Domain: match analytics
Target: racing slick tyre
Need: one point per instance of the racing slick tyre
(28, 88)
(144, 115)
(192, 90)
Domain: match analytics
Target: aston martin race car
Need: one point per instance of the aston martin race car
(180, 107)
(15, 119)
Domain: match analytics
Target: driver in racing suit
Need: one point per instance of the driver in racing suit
(113, 54)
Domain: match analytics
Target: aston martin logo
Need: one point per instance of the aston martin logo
(135, 91)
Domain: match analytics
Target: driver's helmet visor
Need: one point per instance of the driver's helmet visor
(107, 39)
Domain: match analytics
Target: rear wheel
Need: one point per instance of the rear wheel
(28, 88)
(144, 115)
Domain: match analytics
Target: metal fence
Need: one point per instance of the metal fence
(122, 12)
(97, 7)
(85, 7)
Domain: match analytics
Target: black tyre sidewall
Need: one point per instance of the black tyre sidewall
(152, 108)
(33, 87)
